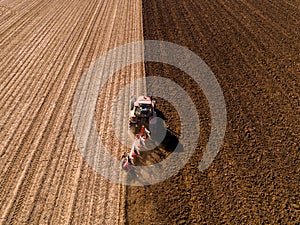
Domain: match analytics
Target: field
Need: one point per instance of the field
(45, 48)
(252, 47)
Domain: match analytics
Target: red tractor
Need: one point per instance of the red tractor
(142, 112)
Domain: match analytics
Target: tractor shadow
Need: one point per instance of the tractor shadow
(163, 142)
(170, 141)
(160, 114)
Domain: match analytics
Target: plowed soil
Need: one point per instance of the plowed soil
(253, 49)
(45, 48)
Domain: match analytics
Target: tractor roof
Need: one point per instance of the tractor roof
(144, 100)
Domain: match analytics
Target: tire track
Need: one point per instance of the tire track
(104, 204)
(16, 23)
(25, 64)
(36, 140)
(85, 172)
(58, 106)
(29, 113)
(25, 79)
(26, 110)
(44, 171)
(68, 127)
(21, 118)
(109, 91)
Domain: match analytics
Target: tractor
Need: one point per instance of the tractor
(142, 112)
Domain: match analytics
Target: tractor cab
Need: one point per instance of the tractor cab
(142, 110)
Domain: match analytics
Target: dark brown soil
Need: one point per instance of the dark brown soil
(253, 49)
